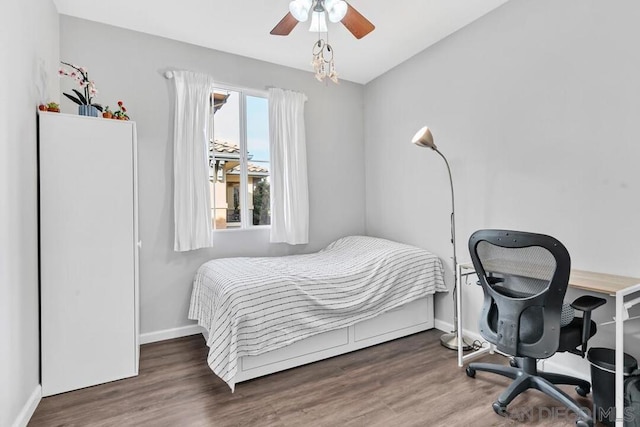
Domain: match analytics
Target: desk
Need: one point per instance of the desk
(618, 287)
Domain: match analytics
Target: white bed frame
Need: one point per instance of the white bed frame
(413, 317)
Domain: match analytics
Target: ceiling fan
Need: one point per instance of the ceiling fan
(336, 10)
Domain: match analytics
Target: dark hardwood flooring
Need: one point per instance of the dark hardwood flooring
(412, 381)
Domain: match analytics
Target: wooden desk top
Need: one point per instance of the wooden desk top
(600, 282)
(591, 281)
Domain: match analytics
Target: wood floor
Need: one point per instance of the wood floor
(412, 381)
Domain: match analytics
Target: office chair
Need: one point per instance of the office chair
(524, 277)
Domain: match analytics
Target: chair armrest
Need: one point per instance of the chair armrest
(588, 303)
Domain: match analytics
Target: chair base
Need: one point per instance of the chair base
(525, 376)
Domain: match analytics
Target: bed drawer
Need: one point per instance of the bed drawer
(416, 313)
(314, 344)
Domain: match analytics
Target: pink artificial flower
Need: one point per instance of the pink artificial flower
(80, 75)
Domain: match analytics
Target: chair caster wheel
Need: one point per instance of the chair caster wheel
(513, 362)
(583, 391)
(584, 423)
(471, 373)
(500, 409)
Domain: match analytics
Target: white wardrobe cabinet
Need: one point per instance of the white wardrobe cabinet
(88, 251)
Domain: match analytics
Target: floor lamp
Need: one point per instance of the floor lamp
(424, 138)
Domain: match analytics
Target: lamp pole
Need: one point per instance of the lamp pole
(450, 340)
(424, 138)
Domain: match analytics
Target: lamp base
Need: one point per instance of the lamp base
(450, 341)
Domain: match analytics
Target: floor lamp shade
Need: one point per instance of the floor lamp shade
(424, 138)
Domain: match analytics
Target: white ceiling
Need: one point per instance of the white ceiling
(403, 28)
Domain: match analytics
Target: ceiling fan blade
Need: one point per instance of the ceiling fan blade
(285, 26)
(356, 23)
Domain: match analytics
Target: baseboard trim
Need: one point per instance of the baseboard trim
(185, 331)
(443, 326)
(167, 334)
(29, 408)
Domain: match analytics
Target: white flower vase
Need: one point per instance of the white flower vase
(87, 110)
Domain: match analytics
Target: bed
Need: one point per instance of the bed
(265, 314)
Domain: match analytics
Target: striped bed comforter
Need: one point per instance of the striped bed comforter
(253, 305)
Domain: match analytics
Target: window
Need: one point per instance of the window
(239, 159)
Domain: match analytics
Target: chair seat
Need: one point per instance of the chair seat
(571, 334)
(530, 327)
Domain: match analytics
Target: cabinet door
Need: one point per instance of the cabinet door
(87, 234)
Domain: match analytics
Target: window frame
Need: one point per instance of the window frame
(246, 224)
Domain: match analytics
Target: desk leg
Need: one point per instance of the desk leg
(619, 394)
(459, 309)
(474, 354)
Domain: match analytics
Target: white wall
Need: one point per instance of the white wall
(28, 44)
(536, 107)
(128, 66)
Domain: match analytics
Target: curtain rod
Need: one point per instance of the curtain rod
(169, 75)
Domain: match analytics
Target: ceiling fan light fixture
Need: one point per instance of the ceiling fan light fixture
(336, 9)
(318, 22)
(300, 9)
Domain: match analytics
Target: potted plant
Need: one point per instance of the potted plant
(53, 107)
(107, 113)
(86, 107)
(121, 114)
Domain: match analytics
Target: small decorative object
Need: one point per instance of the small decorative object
(53, 107)
(84, 100)
(88, 110)
(121, 114)
(107, 113)
(322, 62)
(42, 107)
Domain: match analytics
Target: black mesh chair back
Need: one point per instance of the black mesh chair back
(524, 277)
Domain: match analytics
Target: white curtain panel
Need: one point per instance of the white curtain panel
(191, 203)
(288, 156)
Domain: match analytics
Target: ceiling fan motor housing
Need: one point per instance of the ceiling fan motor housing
(337, 10)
